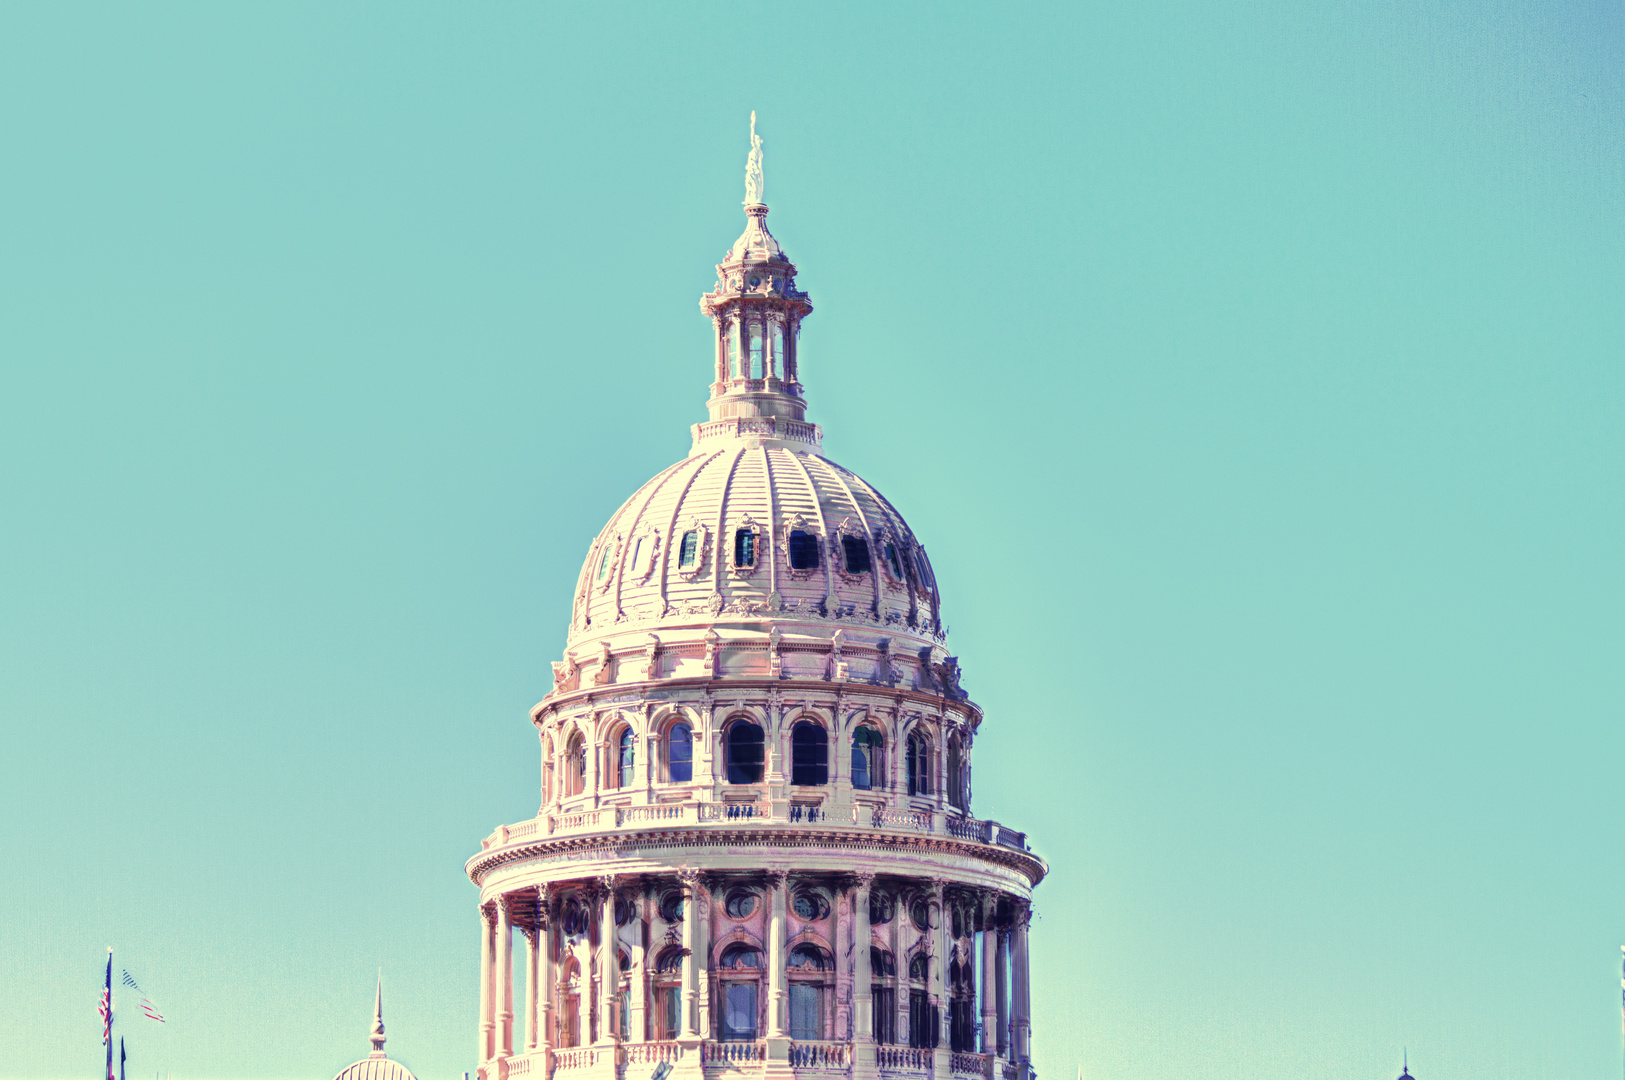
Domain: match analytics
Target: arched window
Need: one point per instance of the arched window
(809, 755)
(881, 963)
(919, 765)
(689, 553)
(919, 968)
(883, 970)
(745, 548)
(811, 958)
(603, 562)
(680, 754)
(744, 753)
(882, 908)
(570, 1005)
(741, 902)
(671, 907)
(756, 350)
(868, 762)
(575, 765)
(740, 958)
(626, 758)
(956, 774)
(739, 971)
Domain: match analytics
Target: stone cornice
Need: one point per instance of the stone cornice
(667, 690)
(620, 843)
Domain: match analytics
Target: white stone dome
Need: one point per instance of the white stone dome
(759, 527)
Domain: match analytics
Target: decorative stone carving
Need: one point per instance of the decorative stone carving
(606, 666)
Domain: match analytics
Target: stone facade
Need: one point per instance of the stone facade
(754, 852)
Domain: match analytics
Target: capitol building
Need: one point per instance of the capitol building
(754, 853)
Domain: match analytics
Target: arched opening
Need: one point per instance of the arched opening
(575, 765)
(745, 753)
(868, 762)
(625, 759)
(668, 993)
(570, 1004)
(956, 775)
(919, 765)
(883, 987)
(810, 968)
(680, 754)
(740, 972)
(809, 755)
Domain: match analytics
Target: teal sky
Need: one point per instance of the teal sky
(1252, 372)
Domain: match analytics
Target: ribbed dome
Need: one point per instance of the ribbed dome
(760, 527)
(375, 1067)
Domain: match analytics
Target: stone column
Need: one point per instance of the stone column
(777, 991)
(865, 1063)
(640, 974)
(1001, 991)
(942, 947)
(487, 986)
(531, 950)
(989, 987)
(839, 1015)
(609, 963)
(1023, 991)
(691, 927)
(504, 969)
(545, 977)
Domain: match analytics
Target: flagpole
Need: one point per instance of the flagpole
(109, 1032)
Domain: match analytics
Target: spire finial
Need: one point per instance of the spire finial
(753, 166)
(377, 1036)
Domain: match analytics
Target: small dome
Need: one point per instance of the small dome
(762, 527)
(375, 1066)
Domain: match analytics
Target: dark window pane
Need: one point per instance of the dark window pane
(809, 755)
(690, 551)
(857, 554)
(739, 1010)
(744, 754)
(892, 560)
(744, 548)
(803, 551)
(806, 1012)
(680, 754)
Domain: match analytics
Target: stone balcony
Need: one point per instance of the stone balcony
(858, 817)
(814, 1060)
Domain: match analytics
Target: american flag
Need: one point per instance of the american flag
(146, 1004)
(106, 1007)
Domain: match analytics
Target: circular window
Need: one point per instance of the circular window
(671, 907)
(810, 906)
(755, 281)
(741, 903)
(623, 911)
(920, 913)
(882, 908)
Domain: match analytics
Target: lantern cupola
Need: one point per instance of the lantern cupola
(756, 310)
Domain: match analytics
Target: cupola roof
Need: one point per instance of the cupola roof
(376, 1066)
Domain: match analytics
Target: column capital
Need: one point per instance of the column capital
(863, 879)
(775, 878)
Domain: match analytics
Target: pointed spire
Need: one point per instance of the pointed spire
(377, 1036)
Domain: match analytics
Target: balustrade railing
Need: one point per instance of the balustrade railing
(972, 1065)
(904, 1059)
(854, 815)
(653, 1053)
(730, 1052)
(581, 1057)
(820, 1055)
(917, 820)
(519, 1066)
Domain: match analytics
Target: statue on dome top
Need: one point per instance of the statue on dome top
(753, 166)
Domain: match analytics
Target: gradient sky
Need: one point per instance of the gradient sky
(1250, 370)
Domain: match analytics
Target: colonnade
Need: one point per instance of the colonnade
(1003, 1016)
